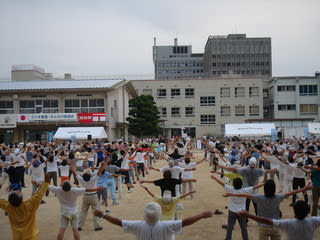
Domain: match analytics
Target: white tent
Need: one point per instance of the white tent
(249, 129)
(77, 133)
(314, 128)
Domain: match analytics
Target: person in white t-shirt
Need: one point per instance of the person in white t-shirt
(37, 174)
(151, 227)
(235, 205)
(67, 197)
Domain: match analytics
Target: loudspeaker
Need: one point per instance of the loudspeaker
(89, 137)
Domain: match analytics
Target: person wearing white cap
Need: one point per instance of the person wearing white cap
(251, 176)
(152, 228)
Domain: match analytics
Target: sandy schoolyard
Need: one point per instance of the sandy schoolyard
(208, 197)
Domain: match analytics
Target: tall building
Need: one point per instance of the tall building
(176, 61)
(237, 54)
(231, 54)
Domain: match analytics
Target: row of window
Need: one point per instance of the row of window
(304, 108)
(304, 90)
(52, 106)
(224, 111)
(238, 64)
(189, 93)
(181, 71)
(257, 72)
(180, 64)
(251, 56)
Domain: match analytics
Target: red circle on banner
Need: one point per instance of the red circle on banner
(23, 117)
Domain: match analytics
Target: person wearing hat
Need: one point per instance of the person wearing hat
(22, 214)
(37, 174)
(18, 161)
(251, 175)
(167, 202)
(151, 228)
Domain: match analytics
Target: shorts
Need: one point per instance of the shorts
(73, 219)
(64, 178)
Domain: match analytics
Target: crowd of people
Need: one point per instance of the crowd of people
(100, 171)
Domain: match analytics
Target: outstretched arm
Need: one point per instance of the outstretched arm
(156, 169)
(249, 196)
(187, 194)
(306, 188)
(258, 186)
(262, 220)
(217, 180)
(193, 219)
(146, 181)
(147, 190)
(113, 220)
(228, 168)
(188, 180)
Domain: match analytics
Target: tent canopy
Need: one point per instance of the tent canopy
(76, 133)
(314, 128)
(249, 129)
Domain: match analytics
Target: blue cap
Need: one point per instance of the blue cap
(15, 187)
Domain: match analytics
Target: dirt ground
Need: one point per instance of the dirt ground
(208, 197)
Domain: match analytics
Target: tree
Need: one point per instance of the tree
(143, 116)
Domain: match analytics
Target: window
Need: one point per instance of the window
(85, 105)
(175, 92)
(189, 92)
(308, 90)
(254, 110)
(308, 108)
(225, 92)
(288, 88)
(207, 101)
(162, 93)
(147, 91)
(175, 112)
(239, 110)
(6, 107)
(286, 107)
(239, 92)
(225, 111)
(39, 106)
(189, 111)
(115, 104)
(265, 93)
(163, 111)
(253, 91)
(207, 119)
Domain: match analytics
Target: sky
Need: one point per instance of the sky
(102, 37)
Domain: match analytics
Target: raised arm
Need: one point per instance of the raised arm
(113, 220)
(262, 220)
(200, 161)
(249, 196)
(228, 168)
(188, 180)
(306, 188)
(156, 169)
(147, 190)
(186, 194)
(217, 180)
(146, 181)
(258, 186)
(191, 220)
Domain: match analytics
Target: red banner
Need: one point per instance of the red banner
(91, 117)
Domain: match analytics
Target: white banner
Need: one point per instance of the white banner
(249, 129)
(8, 121)
(47, 117)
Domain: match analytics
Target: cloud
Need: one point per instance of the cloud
(116, 37)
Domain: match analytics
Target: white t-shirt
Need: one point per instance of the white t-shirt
(68, 200)
(125, 162)
(140, 157)
(236, 204)
(37, 173)
(158, 231)
(19, 159)
(52, 166)
(298, 229)
(175, 171)
(187, 174)
(64, 170)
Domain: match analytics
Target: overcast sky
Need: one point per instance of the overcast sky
(98, 37)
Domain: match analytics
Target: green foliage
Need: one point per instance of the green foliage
(143, 116)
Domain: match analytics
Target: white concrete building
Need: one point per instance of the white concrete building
(33, 110)
(204, 106)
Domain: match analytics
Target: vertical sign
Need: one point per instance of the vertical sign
(273, 134)
(306, 133)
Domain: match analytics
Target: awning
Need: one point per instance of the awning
(314, 128)
(249, 129)
(76, 133)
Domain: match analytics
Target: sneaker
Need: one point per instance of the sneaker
(98, 228)
(114, 203)
(116, 190)
(107, 210)
(79, 229)
(42, 202)
(129, 191)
